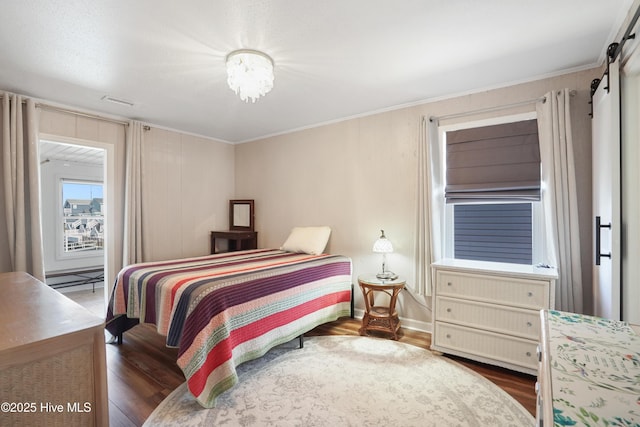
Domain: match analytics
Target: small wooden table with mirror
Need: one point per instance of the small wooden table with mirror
(241, 234)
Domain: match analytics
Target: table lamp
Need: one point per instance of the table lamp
(384, 246)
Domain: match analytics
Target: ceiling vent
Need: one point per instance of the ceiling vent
(117, 101)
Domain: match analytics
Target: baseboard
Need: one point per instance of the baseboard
(99, 287)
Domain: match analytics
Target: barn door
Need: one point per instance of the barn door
(630, 136)
(606, 195)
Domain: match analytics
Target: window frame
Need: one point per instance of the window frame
(61, 254)
(448, 217)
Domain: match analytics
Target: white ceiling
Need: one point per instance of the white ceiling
(333, 58)
(68, 153)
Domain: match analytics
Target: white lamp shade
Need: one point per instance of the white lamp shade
(383, 245)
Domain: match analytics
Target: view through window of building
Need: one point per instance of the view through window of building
(501, 232)
(82, 216)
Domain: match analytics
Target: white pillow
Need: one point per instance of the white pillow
(310, 240)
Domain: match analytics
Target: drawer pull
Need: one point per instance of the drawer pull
(448, 310)
(448, 336)
(528, 354)
(449, 283)
(529, 294)
(529, 324)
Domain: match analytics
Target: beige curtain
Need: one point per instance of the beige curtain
(430, 207)
(132, 239)
(559, 198)
(21, 185)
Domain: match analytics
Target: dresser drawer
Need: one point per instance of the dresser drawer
(526, 293)
(510, 350)
(497, 318)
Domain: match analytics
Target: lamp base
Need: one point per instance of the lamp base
(387, 275)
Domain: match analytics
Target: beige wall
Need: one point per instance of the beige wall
(187, 184)
(188, 181)
(359, 176)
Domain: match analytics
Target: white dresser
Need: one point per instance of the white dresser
(489, 312)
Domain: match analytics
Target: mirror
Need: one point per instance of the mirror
(241, 215)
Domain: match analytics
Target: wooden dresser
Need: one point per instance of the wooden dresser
(489, 312)
(237, 240)
(52, 357)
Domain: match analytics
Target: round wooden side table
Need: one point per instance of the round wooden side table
(379, 317)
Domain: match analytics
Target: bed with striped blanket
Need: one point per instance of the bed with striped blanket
(225, 309)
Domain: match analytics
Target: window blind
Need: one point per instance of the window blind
(493, 163)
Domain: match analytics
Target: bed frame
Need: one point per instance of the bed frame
(222, 310)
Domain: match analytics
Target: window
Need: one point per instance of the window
(492, 193)
(494, 232)
(82, 216)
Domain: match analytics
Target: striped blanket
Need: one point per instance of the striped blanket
(225, 309)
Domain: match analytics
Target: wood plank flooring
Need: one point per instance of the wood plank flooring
(142, 371)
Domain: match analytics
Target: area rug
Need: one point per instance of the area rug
(349, 381)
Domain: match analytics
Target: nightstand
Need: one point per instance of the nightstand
(380, 317)
(239, 240)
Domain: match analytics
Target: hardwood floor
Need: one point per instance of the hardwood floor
(142, 371)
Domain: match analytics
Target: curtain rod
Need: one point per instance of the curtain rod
(488, 109)
(44, 106)
(80, 113)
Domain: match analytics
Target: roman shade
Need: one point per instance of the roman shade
(493, 163)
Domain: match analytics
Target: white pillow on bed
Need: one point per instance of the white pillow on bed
(310, 240)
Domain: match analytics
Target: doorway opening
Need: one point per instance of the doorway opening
(74, 220)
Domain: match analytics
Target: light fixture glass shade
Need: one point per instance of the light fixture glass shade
(383, 245)
(249, 74)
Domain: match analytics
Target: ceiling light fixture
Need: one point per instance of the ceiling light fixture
(250, 73)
